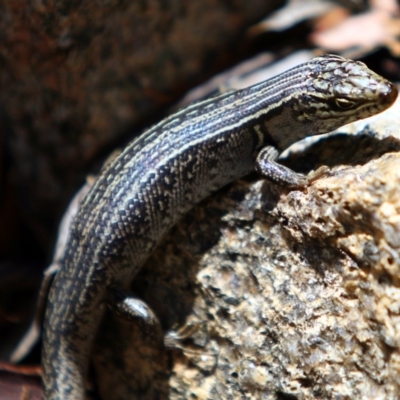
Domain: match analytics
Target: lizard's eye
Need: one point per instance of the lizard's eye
(343, 104)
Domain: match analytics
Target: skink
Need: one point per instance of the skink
(163, 173)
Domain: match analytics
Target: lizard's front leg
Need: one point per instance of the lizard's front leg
(268, 168)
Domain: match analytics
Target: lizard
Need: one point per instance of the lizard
(159, 176)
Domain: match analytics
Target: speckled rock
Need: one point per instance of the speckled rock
(291, 293)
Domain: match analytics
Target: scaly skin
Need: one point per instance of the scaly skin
(162, 174)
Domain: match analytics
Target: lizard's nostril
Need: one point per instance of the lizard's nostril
(390, 96)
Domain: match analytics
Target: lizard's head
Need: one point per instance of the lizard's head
(338, 91)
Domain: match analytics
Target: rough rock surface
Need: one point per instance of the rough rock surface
(290, 294)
